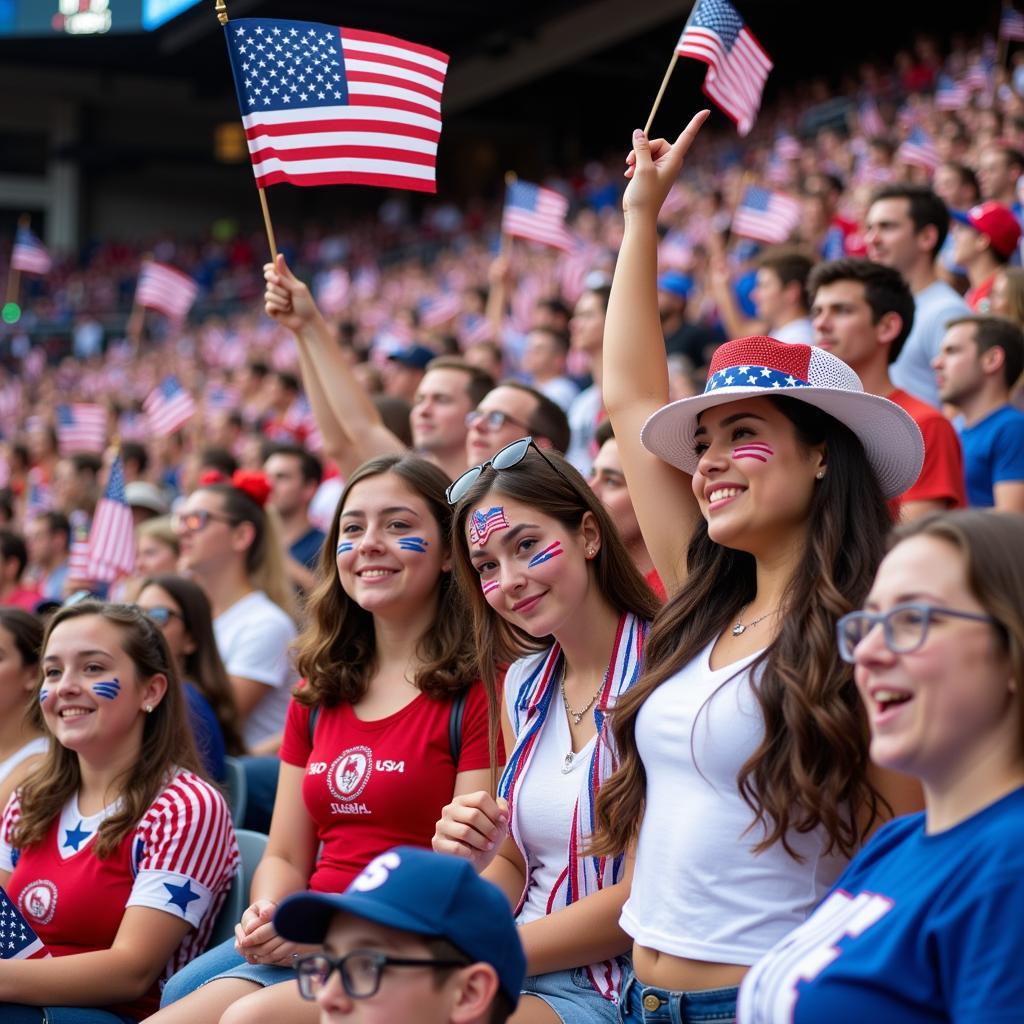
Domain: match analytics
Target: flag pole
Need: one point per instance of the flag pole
(221, 10)
(13, 274)
(661, 92)
(506, 239)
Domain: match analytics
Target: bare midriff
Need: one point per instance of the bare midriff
(679, 973)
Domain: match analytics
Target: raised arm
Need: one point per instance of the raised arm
(288, 301)
(635, 380)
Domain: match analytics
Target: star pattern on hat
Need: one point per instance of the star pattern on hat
(754, 376)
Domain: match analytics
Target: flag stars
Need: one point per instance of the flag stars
(259, 30)
(320, 96)
(277, 31)
(791, 380)
(765, 372)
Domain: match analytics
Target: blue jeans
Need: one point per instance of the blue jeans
(220, 962)
(15, 1013)
(571, 995)
(645, 1004)
(261, 786)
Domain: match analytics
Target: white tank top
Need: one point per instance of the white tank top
(699, 890)
(37, 746)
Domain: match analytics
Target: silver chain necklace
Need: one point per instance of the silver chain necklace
(740, 628)
(577, 716)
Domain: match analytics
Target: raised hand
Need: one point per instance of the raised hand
(473, 826)
(653, 166)
(287, 299)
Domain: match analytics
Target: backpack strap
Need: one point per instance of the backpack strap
(314, 716)
(455, 716)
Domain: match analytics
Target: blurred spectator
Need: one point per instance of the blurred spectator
(544, 363)
(404, 370)
(508, 412)
(780, 295)
(999, 167)
(23, 737)
(586, 331)
(294, 475)
(156, 547)
(15, 591)
(906, 227)
(977, 367)
(48, 538)
(76, 483)
(486, 356)
(134, 461)
(682, 337)
(1008, 294)
(145, 500)
(984, 239)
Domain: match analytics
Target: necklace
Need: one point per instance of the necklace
(577, 716)
(740, 628)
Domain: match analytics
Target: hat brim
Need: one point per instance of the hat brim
(306, 916)
(891, 438)
(962, 217)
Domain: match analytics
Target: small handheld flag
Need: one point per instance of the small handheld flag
(29, 255)
(537, 214)
(166, 290)
(168, 407)
(112, 537)
(17, 939)
(81, 427)
(766, 216)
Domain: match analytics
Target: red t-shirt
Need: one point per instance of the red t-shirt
(980, 298)
(373, 785)
(654, 582)
(942, 476)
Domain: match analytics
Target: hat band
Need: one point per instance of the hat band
(753, 377)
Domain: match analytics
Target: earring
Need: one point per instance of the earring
(149, 709)
(591, 552)
(820, 475)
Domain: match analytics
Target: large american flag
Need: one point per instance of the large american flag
(112, 537)
(1011, 24)
(536, 213)
(337, 106)
(766, 215)
(29, 255)
(166, 290)
(169, 407)
(737, 63)
(81, 427)
(17, 940)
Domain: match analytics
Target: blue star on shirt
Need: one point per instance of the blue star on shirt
(181, 895)
(74, 837)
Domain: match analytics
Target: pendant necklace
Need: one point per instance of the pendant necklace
(740, 628)
(577, 717)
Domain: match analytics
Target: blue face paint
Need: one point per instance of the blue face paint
(551, 551)
(344, 547)
(43, 694)
(107, 689)
(413, 544)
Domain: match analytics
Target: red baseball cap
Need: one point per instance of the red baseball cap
(995, 221)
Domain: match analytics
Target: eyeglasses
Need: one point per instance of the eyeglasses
(494, 420)
(904, 627)
(509, 456)
(193, 522)
(360, 971)
(161, 615)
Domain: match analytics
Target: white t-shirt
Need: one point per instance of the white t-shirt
(699, 890)
(583, 413)
(254, 637)
(561, 390)
(37, 746)
(796, 332)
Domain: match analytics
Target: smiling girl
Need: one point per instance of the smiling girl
(389, 724)
(927, 922)
(115, 852)
(555, 592)
(744, 780)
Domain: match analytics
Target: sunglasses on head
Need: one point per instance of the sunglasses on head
(509, 456)
(161, 615)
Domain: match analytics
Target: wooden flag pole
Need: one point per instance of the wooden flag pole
(221, 10)
(506, 239)
(661, 92)
(13, 274)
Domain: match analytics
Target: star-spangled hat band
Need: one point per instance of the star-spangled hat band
(759, 366)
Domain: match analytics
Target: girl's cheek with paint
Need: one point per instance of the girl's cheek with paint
(43, 694)
(756, 450)
(492, 592)
(553, 550)
(108, 689)
(345, 547)
(417, 544)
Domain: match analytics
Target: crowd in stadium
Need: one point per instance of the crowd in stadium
(647, 577)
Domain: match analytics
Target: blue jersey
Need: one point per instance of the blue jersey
(919, 928)
(993, 453)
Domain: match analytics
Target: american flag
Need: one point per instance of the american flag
(17, 940)
(765, 215)
(536, 213)
(474, 328)
(28, 254)
(337, 106)
(737, 63)
(787, 147)
(112, 537)
(978, 76)
(1011, 24)
(81, 427)
(222, 398)
(950, 94)
(919, 149)
(437, 310)
(166, 290)
(871, 122)
(169, 407)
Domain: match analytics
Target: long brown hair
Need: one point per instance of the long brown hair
(27, 633)
(167, 741)
(810, 768)
(203, 666)
(566, 497)
(336, 653)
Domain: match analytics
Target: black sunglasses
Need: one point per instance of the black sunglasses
(509, 456)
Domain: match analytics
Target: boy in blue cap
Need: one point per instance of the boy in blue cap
(417, 936)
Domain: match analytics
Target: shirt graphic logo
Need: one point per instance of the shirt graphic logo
(350, 772)
(38, 901)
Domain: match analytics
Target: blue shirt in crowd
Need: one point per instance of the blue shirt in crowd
(207, 733)
(993, 453)
(306, 550)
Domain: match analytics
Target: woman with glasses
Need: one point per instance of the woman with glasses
(744, 783)
(230, 546)
(389, 724)
(182, 612)
(115, 854)
(927, 922)
(555, 593)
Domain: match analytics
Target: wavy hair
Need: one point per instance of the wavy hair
(810, 769)
(167, 742)
(27, 633)
(563, 495)
(336, 652)
(203, 667)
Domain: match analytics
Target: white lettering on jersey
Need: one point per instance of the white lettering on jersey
(376, 873)
(389, 766)
(316, 767)
(349, 808)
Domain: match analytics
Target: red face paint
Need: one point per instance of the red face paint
(755, 450)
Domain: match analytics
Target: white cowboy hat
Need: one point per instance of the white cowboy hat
(759, 366)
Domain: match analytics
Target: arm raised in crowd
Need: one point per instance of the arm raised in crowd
(329, 381)
(635, 381)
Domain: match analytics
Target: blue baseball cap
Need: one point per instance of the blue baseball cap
(676, 283)
(415, 357)
(422, 892)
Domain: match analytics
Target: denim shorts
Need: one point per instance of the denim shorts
(222, 961)
(645, 1004)
(571, 995)
(11, 1013)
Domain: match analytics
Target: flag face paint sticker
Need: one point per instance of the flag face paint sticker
(488, 586)
(551, 551)
(108, 689)
(757, 450)
(345, 547)
(417, 544)
(482, 524)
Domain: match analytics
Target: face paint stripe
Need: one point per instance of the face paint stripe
(483, 524)
(755, 450)
(43, 694)
(489, 585)
(413, 544)
(551, 551)
(344, 547)
(109, 689)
